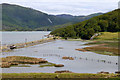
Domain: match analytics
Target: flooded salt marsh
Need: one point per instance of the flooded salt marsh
(84, 62)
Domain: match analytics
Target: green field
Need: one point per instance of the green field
(108, 36)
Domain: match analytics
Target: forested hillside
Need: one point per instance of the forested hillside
(104, 23)
(21, 18)
(17, 17)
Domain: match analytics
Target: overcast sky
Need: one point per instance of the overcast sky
(73, 7)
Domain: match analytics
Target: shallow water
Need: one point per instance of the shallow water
(14, 37)
(51, 51)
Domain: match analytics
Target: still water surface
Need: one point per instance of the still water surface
(90, 62)
(22, 36)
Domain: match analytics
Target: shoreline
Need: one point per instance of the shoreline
(27, 44)
(103, 47)
(53, 75)
(59, 75)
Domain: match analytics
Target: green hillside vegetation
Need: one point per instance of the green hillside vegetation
(52, 28)
(15, 17)
(21, 18)
(104, 23)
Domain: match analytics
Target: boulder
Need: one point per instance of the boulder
(117, 72)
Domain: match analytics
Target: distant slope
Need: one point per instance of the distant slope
(104, 23)
(78, 18)
(17, 17)
(72, 18)
(21, 18)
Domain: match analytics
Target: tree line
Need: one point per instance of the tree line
(108, 22)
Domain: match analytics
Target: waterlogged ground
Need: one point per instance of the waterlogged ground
(84, 62)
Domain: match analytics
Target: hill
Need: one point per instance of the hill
(20, 18)
(104, 23)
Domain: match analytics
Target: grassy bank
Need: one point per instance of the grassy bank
(59, 75)
(106, 43)
(111, 36)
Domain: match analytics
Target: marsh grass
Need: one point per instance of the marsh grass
(107, 43)
(60, 75)
(16, 60)
(103, 49)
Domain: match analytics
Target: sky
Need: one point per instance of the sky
(73, 7)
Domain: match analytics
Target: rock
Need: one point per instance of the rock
(102, 72)
(117, 72)
(95, 35)
(59, 65)
(64, 71)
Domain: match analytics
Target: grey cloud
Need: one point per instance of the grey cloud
(74, 7)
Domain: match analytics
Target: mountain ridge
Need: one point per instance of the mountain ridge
(21, 18)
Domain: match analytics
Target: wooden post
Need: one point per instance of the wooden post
(25, 41)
